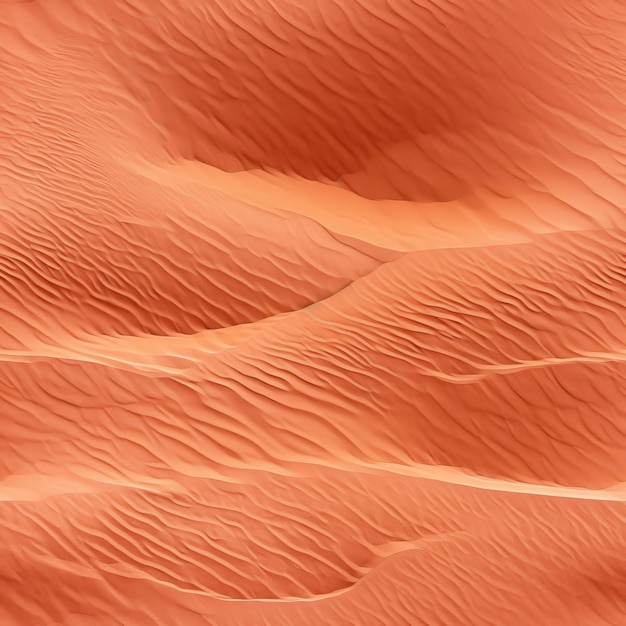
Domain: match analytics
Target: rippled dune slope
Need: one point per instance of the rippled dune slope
(312, 313)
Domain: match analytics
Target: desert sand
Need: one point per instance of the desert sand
(312, 313)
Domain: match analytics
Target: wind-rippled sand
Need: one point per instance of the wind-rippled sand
(312, 313)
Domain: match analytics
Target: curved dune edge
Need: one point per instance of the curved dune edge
(312, 313)
(36, 487)
(395, 225)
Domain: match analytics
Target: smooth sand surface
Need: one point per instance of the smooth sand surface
(313, 313)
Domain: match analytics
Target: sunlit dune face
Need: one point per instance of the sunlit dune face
(312, 313)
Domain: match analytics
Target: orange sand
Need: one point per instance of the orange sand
(312, 313)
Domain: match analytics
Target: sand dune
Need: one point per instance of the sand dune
(312, 313)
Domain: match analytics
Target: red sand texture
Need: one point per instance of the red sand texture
(312, 312)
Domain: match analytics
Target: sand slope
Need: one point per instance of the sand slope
(312, 313)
